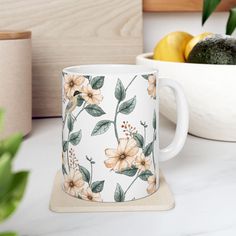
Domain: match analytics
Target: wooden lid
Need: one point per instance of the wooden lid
(8, 35)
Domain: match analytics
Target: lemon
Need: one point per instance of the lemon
(193, 42)
(172, 47)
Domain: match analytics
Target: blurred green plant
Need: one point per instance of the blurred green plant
(208, 8)
(12, 184)
(8, 234)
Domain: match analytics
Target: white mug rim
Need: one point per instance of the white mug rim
(110, 69)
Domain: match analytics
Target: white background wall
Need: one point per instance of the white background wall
(156, 25)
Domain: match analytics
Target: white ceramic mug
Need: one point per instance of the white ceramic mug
(110, 131)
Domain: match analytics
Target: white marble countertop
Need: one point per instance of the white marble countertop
(202, 178)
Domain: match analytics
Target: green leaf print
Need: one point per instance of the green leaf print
(139, 139)
(154, 120)
(94, 110)
(128, 106)
(148, 149)
(97, 82)
(80, 101)
(85, 173)
(145, 76)
(145, 174)
(120, 91)
(97, 186)
(65, 145)
(64, 172)
(129, 171)
(75, 137)
(87, 77)
(119, 195)
(101, 127)
(70, 123)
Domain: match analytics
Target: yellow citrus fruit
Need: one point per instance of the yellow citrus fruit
(172, 47)
(193, 42)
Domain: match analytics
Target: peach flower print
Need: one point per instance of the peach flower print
(122, 157)
(73, 182)
(88, 195)
(152, 86)
(91, 96)
(151, 184)
(72, 83)
(142, 163)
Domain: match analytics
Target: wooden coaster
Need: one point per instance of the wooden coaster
(62, 202)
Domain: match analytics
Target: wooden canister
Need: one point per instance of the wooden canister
(16, 81)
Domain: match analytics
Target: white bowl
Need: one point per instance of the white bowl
(210, 91)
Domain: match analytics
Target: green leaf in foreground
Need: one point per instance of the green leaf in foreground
(119, 195)
(208, 7)
(8, 234)
(11, 144)
(97, 186)
(5, 174)
(101, 127)
(12, 198)
(231, 23)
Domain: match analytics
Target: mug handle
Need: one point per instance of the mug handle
(182, 121)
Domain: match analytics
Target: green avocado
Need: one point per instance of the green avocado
(216, 49)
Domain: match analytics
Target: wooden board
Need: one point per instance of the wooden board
(182, 5)
(62, 202)
(73, 32)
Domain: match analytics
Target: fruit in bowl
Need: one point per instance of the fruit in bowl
(209, 88)
(206, 48)
(216, 49)
(172, 47)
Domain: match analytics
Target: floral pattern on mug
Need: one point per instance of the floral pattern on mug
(152, 86)
(122, 157)
(83, 95)
(128, 129)
(151, 184)
(90, 95)
(131, 157)
(83, 99)
(89, 195)
(142, 163)
(73, 182)
(73, 83)
(132, 154)
(140, 168)
(78, 182)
